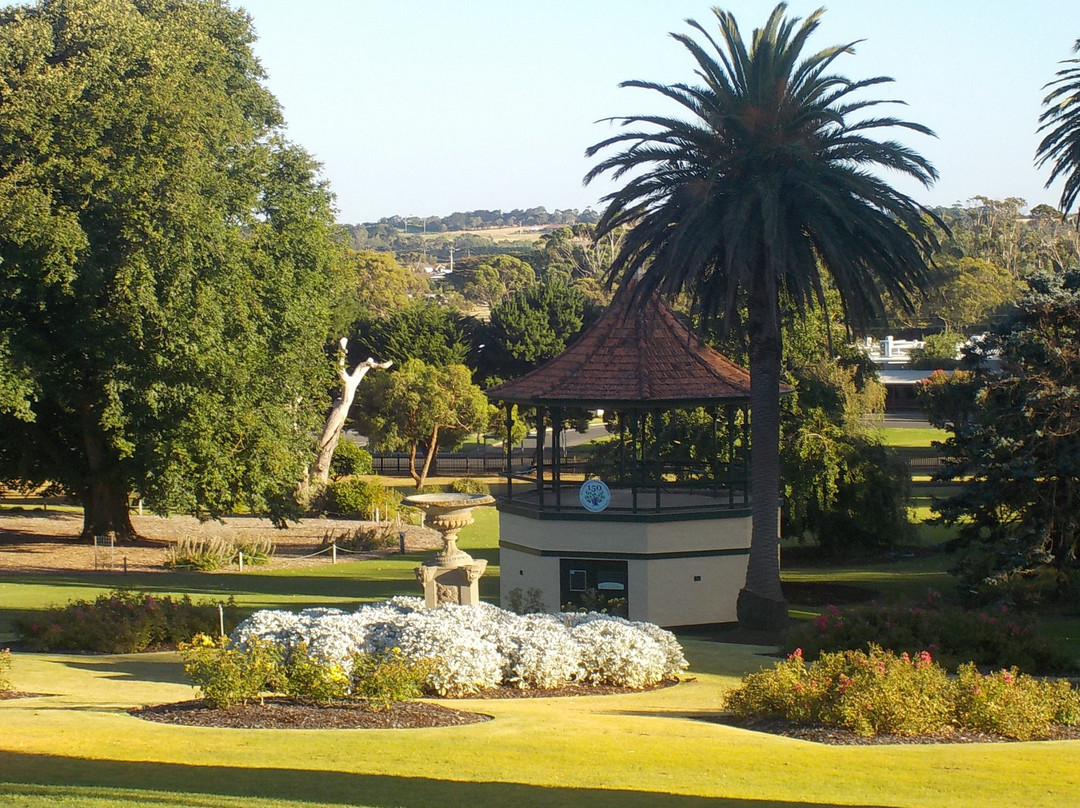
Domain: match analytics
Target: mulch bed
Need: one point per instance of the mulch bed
(281, 713)
(16, 694)
(844, 737)
(284, 713)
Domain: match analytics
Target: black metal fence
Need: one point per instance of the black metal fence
(449, 464)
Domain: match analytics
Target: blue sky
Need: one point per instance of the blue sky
(420, 107)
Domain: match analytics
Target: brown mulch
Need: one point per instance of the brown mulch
(282, 713)
(836, 736)
(17, 694)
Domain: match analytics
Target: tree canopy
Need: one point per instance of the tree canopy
(1016, 445)
(1061, 121)
(421, 405)
(766, 183)
(168, 262)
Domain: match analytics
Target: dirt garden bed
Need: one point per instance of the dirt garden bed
(48, 541)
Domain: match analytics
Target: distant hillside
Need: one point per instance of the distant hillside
(475, 231)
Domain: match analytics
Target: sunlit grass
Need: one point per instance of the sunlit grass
(912, 438)
(79, 747)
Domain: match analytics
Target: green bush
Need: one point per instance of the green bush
(363, 539)
(205, 555)
(468, 485)
(310, 679)
(120, 622)
(5, 669)
(356, 497)
(529, 601)
(208, 555)
(879, 692)
(257, 552)
(996, 639)
(388, 677)
(1014, 705)
(350, 459)
(228, 676)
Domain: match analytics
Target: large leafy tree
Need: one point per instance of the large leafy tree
(1060, 120)
(421, 405)
(167, 262)
(529, 327)
(1016, 443)
(766, 183)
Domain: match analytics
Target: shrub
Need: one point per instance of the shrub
(868, 693)
(355, 497)
(256, 551)
(350, 459)
(530, 601)
(879, 692)
(5, 669)
(468, 485)
(205, 555)
(306, 677)
(1014, 705)
(228, 676)
(120, 622)
(997, 639)
(387, 677)
(481, 647)
(363, 539)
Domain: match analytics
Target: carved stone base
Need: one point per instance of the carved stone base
(451, 584)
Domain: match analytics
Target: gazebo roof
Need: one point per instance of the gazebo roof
(631, 357)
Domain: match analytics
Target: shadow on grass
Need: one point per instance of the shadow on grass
(48, 776)
(150, 670)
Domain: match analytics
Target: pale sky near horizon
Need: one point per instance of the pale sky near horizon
(426, 107)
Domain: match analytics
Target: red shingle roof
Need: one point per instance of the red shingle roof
(632, 357)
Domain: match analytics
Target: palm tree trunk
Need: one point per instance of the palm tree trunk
(761, 605)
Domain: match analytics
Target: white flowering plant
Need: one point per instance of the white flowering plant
(469, 649)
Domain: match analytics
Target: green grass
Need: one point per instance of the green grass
(344, 584)
(78, 746)
(905, 438)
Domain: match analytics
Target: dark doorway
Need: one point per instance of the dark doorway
(595, 585)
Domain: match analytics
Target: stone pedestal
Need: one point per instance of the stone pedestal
(451, 584)
(451, 575)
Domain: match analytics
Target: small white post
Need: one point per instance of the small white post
(333, 553)
(240, 556)
(221, 618)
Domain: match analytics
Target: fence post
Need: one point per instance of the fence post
(333, 553)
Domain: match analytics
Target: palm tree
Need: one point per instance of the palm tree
(762, 188)
(1061, 145)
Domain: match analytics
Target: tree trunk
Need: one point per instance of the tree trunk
(339, 411)
(105, 510)
(761, 605)
(105, 497)
(429, 456)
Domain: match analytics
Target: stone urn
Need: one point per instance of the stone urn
(451, 575)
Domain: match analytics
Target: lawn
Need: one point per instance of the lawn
(77, 746)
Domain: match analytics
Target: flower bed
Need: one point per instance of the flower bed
(477, 648)
(877, 692)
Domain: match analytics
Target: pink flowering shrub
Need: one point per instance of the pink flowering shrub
(120, 622)
(1014, 705)
(877, 691)
(868, 693)
(997, 638)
